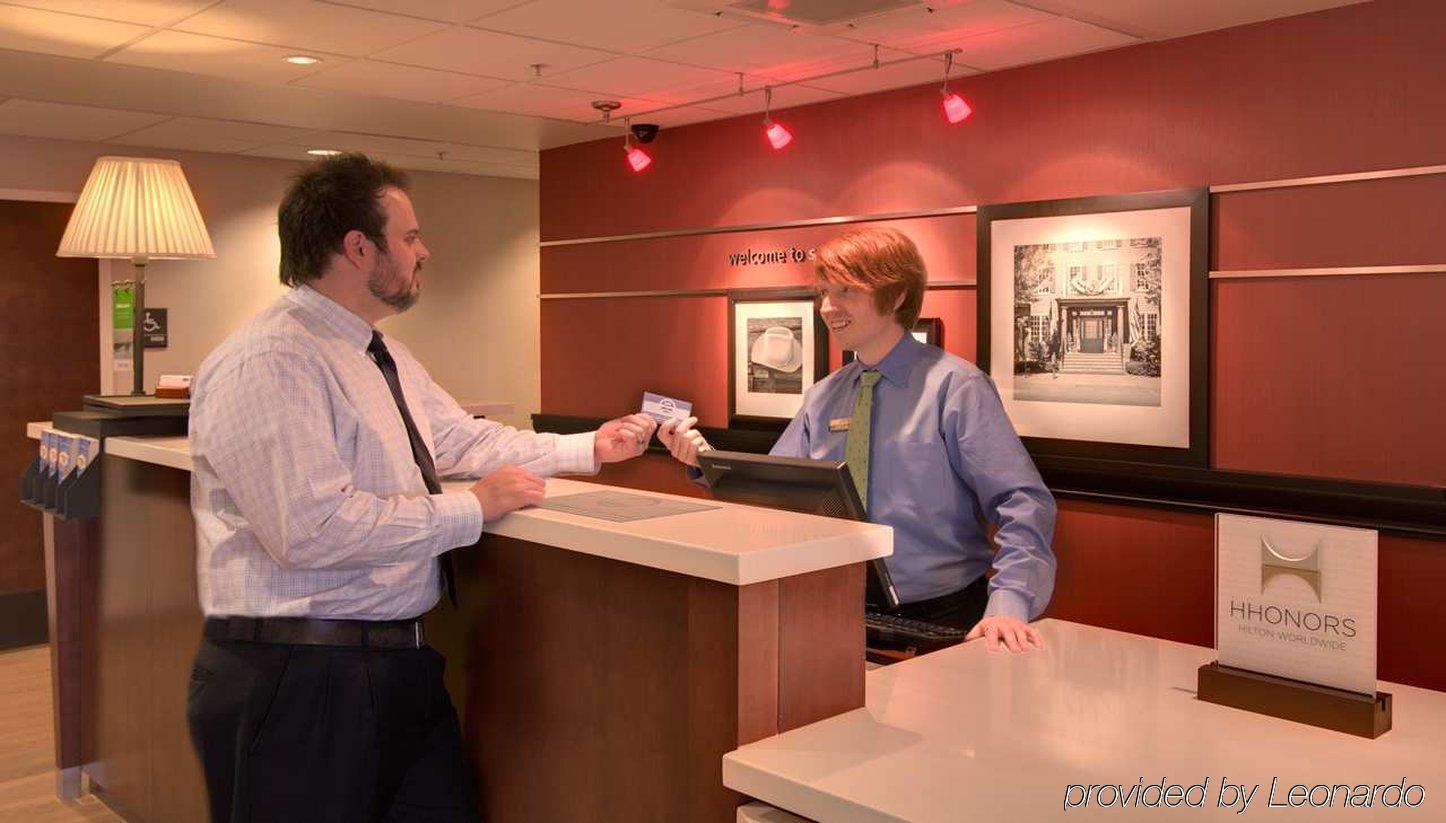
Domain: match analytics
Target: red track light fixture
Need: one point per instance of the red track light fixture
(956, 108)
(638, 160)
(778, 135)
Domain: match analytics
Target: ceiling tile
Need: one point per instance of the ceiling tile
(1154, 19)
(61, 121)
(63, 34)
(200, 54)
(617, 25)
(540, 100)
(202, 134)
(142, 12)
(898, 75)
(307, 24)
(473, 51)
(1035, 43)
(919, 30)
(448, 11)
(763, 49)
(639, 77)
(403, 82)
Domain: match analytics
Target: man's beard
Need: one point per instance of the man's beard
(401, 301)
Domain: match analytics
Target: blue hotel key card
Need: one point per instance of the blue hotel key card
(663, 409)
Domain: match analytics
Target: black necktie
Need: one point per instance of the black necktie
(384, 361)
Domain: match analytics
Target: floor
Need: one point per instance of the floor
(27, 745)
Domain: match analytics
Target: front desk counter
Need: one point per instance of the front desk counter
(602, 669)
(963, 734)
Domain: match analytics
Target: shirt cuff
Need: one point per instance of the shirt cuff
(575, 454)
(1007, 603)
(460, 516)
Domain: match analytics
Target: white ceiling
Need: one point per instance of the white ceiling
(480, 86)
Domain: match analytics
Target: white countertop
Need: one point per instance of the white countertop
(962, 734)
(731, 544)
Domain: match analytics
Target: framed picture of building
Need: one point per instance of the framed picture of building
(1093, 323)
(777, 349)
(927, 330)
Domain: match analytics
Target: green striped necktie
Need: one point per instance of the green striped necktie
(856, 448)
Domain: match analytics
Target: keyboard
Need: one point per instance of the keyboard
(890, 631)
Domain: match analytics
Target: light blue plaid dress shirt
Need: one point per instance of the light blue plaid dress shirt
(306, 496)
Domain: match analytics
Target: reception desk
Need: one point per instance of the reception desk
(963, 734)
(602, 669)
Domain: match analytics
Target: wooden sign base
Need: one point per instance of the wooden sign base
(1328, 708)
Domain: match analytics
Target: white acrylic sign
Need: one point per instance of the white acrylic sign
(1296, 600)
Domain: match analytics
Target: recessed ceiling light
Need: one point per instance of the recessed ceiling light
(302, 60)
(323, 152)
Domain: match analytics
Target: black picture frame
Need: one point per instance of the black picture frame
(813, 369)
(931, 327)
(1197, 200)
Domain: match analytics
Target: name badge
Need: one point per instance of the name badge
(840, 424)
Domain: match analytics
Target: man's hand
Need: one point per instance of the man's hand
(683, 441)
(1015, 634)
(507, 489)
(623, 438)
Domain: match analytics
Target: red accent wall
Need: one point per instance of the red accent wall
(1334, 377)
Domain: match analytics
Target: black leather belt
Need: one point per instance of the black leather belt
(310, 631)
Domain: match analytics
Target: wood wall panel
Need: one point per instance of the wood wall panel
(1387, 222)
(49, 345)
(1332, 377)
(598, 357)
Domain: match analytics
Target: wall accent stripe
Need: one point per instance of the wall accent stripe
(937, 285)
(1416, 171)
(1239, 274)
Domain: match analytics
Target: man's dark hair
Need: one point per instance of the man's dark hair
(329, 199)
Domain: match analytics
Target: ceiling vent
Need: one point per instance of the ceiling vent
(823, 15)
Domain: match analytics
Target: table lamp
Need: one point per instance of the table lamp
(138, 209)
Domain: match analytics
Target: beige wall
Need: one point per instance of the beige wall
(476, 327)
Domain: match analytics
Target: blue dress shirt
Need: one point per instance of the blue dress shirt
(943, 460)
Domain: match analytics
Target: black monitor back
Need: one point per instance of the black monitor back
(822, 487)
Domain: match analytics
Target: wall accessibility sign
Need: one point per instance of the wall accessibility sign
(1297, 600)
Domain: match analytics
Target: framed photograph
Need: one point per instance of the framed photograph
(928, 330)
(777, 349)
(1093, 323)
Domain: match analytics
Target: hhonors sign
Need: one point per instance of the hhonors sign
(1296, 600)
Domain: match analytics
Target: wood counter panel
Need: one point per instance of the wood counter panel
(601, 690)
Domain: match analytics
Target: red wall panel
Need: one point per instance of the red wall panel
(1332, 376)
(1343, 90)
(702, 261)
(1335, 377)
(599, 356)
(1371, 223)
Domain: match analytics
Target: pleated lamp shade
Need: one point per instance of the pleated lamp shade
(137, 208)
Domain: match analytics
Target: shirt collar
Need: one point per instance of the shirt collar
(897, 364)
(352, 328)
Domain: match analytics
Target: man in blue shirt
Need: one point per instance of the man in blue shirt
(927, 439)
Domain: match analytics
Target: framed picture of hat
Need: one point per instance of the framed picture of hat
(777, 349)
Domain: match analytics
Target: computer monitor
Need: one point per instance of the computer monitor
(822, 487)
